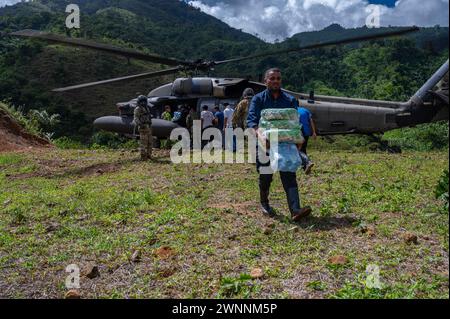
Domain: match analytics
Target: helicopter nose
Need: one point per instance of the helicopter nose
(115, 124)
(125, 125)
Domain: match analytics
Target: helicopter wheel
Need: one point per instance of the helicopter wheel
(394, 149)
(384, 145)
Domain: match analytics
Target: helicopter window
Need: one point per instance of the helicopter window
(212, 103)
(235, 91)
(175, 105)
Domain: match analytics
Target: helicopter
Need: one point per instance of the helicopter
(332, 115)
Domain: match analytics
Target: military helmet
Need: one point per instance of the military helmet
(142, 100)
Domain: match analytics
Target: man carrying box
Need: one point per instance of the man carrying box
(274, 98)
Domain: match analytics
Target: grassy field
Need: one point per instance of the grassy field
(199, 233)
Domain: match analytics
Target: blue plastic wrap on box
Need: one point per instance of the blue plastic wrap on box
(285, 158)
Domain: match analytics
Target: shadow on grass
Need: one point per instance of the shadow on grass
(319, 223)
(95, 169)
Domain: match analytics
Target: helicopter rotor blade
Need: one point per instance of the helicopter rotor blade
(324, 44)
(54, 38)
(121, 79)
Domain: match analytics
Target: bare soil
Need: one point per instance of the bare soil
(14, 137)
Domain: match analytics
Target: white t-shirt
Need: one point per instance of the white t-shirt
(207, 118)
(228, 114)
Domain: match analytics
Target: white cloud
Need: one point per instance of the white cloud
(8, 2)
(278, 19)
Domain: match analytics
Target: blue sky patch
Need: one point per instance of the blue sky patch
(388, 3)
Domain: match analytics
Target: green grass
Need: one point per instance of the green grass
(106, 205)
(10, 159)
(424, 137)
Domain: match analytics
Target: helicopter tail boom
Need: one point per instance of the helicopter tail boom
(418, 98)
(431, 102)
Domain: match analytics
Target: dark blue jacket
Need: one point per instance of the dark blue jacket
(220, 119)
(264, 100)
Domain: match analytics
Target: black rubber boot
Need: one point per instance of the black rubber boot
(290, 186)
(297, 213)
(264, 190)
(265, 207)
(302, 213)
(293, 200)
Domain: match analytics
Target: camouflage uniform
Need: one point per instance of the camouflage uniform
(192, 116)
(240, 114)
(143, 121)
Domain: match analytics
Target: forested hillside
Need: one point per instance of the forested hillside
(391, 69)
(158, 229)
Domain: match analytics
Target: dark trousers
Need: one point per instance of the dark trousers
(290, 186)
(305, 145)
(288, 179)
(204, 143)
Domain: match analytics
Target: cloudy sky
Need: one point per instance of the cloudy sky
(278, 19)
(5, 2)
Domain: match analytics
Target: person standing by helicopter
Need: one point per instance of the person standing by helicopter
(230, 143)
(167, 115)
(219, 121)
(308, 126)
(180, 116)
(143, 121)
(190, 118)
(240, 114)
(308, 130)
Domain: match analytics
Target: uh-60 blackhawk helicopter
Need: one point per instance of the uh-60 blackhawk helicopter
(333, 115)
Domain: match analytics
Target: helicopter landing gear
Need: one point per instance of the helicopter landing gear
(156, 143)
(384, 145)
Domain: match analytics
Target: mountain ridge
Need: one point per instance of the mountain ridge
(385, 69)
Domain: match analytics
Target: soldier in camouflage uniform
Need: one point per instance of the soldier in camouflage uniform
(143, 121)
(241, 111)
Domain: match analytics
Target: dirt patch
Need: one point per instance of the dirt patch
(232, 209)
(14, 137)
(97, 169)
(51, 171)
(164, 252)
